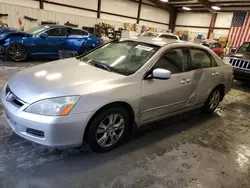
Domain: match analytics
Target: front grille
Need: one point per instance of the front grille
(240, 63)
(13, 99)
(35, 132)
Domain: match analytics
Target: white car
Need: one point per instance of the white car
(160, 35)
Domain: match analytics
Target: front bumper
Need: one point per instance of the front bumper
(54, 131)
(240, 74)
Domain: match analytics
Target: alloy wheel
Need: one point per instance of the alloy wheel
(17, 52)
(110, 130)
(214, 99)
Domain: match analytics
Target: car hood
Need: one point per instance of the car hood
(241, 55)
(58, 78)
(13, 32)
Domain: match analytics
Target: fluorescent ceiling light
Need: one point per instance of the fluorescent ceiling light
(164, 1)
(186, 8)
(216, 8)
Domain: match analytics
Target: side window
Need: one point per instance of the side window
(78, 32)
(217, 45)
(214, 64)
(58, 32)
(200, 59)
(168, 37)
(174, 60)
(212, 46)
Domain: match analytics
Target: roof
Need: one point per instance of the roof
(159, 41)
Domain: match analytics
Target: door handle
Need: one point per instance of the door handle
(183, 81)
(213, 74)
(188, 80)
(217, 73)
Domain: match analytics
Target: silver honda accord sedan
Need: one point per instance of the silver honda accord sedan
(100, 96)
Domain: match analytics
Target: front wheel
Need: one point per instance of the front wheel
(108, 130)
(16, 52)
(213, 101)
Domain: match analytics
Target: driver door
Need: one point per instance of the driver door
(52, 43)
(160, 98)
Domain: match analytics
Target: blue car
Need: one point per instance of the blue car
(45, 41)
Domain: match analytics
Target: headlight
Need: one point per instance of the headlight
(60, 106)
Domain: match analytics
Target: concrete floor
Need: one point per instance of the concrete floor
(193, 150)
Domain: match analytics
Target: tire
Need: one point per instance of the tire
(102, 132)
(213, 101)
(16, 52)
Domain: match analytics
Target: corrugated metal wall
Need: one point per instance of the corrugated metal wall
(20, 8)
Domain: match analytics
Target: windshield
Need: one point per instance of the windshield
(37, 30)
(245, 48)
(122, 57)
(149, 34)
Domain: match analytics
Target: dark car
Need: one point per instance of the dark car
(215, 46)
(240, 60)
(45, 41)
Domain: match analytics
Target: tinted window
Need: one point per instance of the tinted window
(124, 57)
(174, 60)
(168, 37)
(56, 32)
(217, 45)
(200, 59)
(78, 32)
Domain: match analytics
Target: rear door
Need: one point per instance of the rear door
(206, 74)
(76, 39)
(163, 97)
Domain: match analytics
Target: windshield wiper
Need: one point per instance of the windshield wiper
(102, 66)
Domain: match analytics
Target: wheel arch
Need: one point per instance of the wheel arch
(121, 104)
(222, 88)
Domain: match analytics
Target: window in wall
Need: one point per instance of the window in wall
(58, 32)
(200, 59)
(174, 60)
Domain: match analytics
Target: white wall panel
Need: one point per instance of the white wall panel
(25, 3)
(193, 19)
(159, 27)
(122, 7)
(16, 12)
(117, 19)
(154, 14)
(220, 33)
(193, 32)
(57, 8)
(90, 4)
(224, 19)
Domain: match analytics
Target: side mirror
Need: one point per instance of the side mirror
(44, 35)
(161, 74)
(233, 50)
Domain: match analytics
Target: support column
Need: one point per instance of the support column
(99, 8)
(212, 24)
(139, 12)
(41, 4)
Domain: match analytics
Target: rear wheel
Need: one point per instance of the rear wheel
(108, 130)
(213, 101)
(16, 52)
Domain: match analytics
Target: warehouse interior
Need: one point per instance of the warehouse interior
(191, 149)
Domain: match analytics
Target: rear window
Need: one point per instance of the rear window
(205, 44)
(168, 37)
